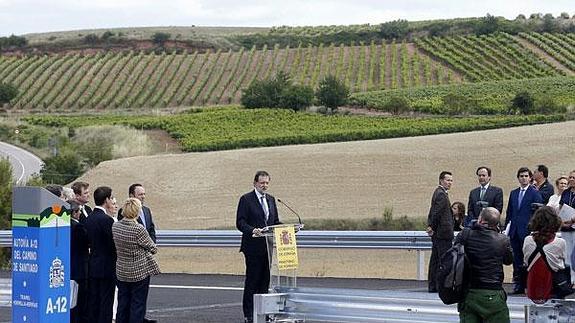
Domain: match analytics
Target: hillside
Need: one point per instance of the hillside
(137, 80)
(335, 180)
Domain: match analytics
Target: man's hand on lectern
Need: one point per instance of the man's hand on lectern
(257, 232)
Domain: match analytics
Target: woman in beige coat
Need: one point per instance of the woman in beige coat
(135, 263)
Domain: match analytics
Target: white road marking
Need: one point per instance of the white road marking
(193, 308)
(196, 287)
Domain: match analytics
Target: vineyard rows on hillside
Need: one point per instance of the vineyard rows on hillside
(135, 80)
(131, 80)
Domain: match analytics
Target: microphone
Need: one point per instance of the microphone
(292, 211)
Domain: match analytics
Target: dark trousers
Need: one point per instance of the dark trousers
(79, 314)
(132, 298)
(257, 281)
(101, 299)
(439, 247)
(517, 247)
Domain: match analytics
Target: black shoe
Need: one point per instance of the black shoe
(149, 320)
(248, 320)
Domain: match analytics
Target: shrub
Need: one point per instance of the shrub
(277, 92)
(396, 29)
(397, 105)
(454, 104)
(62, 168)
(332, 93)
(522, 103)
(296, 97)
(548, 105)
(91, 39)
(160, 38)
(5, 206)
(7, 92)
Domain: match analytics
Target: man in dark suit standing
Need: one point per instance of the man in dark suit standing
(82, 192)
(540, 175)
(519, 212)
(486, 195)
(144, 218)
(256, 210)
(102, 265)
(439, 226)
(79, 255)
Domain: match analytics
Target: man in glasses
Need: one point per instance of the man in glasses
(523, 201)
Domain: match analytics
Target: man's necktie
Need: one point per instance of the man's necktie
(521, 194)
(482, 193)
(265, 207)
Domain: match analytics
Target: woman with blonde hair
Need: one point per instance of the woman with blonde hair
(135, 263)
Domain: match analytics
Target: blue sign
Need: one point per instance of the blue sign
(40, 257)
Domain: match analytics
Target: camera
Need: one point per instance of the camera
(535, 206)
(482, 204)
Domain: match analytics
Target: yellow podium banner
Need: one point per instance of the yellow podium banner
(286, 247)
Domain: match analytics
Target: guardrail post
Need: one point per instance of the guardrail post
(420, 264)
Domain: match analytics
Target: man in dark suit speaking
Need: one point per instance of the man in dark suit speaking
(486, 195)
(256, 210)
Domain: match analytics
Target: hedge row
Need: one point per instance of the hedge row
(233, 128)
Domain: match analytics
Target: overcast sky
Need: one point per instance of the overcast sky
(32, 16)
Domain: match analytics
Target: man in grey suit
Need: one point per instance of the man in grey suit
(485, 195)
(439, 226)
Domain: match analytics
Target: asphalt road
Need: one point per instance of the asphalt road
(24, 163)
(182, 298)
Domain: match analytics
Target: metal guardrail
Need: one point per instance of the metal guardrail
(358, 305)
(409, 240)
(417, 240)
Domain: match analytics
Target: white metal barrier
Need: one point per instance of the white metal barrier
(409, 240)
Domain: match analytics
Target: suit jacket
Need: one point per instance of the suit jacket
(546, 190)
(493, 196)
(250, 215)
(135, 249)
(102, 249)
(440, 217)
(519, 215)
(79, 253)
(88, 211)
(150, 226)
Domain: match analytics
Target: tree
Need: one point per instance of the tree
(7, 93)
(332, 93)
(522, 103)
(278, 92)
(91, 39)
(487, 25)
(160, 38)
(297, 97)
(550, 25)
(6, 180)
(62, 168)
(396, 29)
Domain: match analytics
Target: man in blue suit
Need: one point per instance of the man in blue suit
(520, 209)
(256, 210)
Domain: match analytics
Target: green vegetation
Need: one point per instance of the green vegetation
(7, 93)
(332, 93)
(278, 92)
(5, 207)
(486, 98)
(232, 128)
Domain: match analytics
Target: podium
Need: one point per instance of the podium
(40, 257)
(282, 255)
